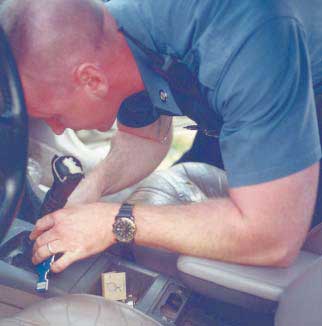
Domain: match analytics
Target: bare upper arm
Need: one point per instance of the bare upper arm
(280, 210)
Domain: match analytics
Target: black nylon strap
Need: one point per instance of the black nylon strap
(182, 81)
(126, 210)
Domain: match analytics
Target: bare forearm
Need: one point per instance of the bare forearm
(215, 229)
(130, 160)
(134, 155)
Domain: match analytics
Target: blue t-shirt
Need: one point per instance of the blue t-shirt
(259, 66)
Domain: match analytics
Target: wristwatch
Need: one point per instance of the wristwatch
(124, 225)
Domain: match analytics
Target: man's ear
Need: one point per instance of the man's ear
(92, 79)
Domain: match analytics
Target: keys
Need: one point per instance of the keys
(43, 270)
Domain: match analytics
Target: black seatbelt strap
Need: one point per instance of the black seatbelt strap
(179, 78)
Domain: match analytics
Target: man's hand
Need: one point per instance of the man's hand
(76, 232)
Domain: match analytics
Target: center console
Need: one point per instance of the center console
(158, 296)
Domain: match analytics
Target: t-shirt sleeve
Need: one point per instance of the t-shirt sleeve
(137, 111)
(267, 104)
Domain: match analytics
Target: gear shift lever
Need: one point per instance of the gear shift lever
(67, 172)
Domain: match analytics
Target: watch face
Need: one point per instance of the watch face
(124, 229)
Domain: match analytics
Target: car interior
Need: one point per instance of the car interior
(162, 288)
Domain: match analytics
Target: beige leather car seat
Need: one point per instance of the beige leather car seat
(79, 310)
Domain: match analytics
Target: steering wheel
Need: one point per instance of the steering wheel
(13, 137)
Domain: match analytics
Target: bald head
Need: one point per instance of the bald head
(75, 67)
(51, 34)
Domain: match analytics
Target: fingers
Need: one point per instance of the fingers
(46, 232)
(42, 253)
(43, 239)
(47, 222)
(42, 225)
(63, 262)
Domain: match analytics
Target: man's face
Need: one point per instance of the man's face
(64, 107)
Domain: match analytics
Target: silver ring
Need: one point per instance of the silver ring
(49, 249)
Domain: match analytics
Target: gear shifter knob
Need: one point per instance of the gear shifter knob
(67, 172)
